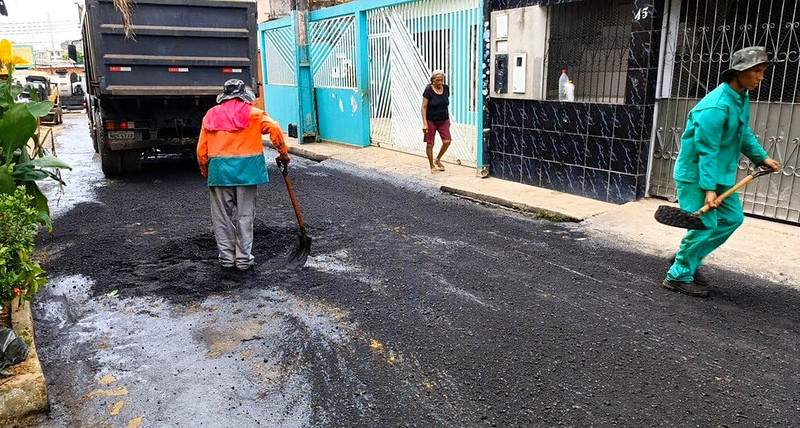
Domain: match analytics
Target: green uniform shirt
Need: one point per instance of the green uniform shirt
(717, 133)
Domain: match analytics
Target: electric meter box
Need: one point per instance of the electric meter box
(519, 42)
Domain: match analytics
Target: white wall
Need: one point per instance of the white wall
(271, 9)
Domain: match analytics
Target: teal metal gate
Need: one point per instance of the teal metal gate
(369, 62)
(334, 47)
(278, 67)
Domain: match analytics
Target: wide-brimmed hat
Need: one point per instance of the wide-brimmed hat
(747, 58)
(235, 88)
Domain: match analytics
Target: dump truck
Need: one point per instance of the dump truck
(148, 90)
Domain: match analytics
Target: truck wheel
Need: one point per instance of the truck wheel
(94, 142)
(95, 131)
(131, 161)
(110, 160)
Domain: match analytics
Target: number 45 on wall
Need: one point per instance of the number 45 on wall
(644, 13)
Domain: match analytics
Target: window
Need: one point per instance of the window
(591, 40)
(705, 33)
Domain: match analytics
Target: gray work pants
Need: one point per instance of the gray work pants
(232, 212)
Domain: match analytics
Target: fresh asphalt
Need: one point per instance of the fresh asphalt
(416, 309)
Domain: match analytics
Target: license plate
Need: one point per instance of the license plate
(121, 135)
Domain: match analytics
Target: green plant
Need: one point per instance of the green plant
(23, 164)
(19, 274)
(23, 206)
(80, 57)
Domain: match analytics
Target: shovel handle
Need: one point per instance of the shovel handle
(744, 182)
(284, 166)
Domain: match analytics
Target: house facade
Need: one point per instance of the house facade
(587, 97)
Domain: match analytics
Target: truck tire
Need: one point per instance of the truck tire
(95, 131)
(110, 160)
(94, 141)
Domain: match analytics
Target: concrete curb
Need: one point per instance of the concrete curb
(307, 154)
(25, 392)
(542, 213)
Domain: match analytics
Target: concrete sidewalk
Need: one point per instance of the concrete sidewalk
(763, 248)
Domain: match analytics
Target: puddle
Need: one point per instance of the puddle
(233, 356)
(74, 146)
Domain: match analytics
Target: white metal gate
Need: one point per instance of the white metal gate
(279, 48)
(332, 50)
(406, 43)
(701, 38)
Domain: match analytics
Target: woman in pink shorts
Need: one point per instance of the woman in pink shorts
(436, 118)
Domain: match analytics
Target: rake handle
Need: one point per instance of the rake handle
(744, 182)
(290, 189)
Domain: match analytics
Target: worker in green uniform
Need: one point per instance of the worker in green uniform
(717, 133)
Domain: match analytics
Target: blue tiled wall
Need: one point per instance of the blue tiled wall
(594, 150)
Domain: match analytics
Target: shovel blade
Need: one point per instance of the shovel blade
(299, 255)
(676, 217)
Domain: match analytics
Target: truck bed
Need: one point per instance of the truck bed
(180, 47)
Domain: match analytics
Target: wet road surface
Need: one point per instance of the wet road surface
(416, 309)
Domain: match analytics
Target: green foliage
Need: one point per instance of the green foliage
(40, 108)
(23, 162)
(17, 126)
(81, 59)
(20, 275)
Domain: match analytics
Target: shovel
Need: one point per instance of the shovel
(299, 255)
(674, 216)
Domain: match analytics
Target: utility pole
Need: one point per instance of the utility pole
(80, 14)
(307, 112)
(50, 29)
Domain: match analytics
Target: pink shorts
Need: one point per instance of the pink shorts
(442, 127)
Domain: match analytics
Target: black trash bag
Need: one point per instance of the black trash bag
(12, 349)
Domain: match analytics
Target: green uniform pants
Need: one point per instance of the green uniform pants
(697, 244)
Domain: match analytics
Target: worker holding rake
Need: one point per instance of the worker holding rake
(717, 133)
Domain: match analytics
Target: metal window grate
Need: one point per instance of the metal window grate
(591, 40)
(711, 30)
(701, 36)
